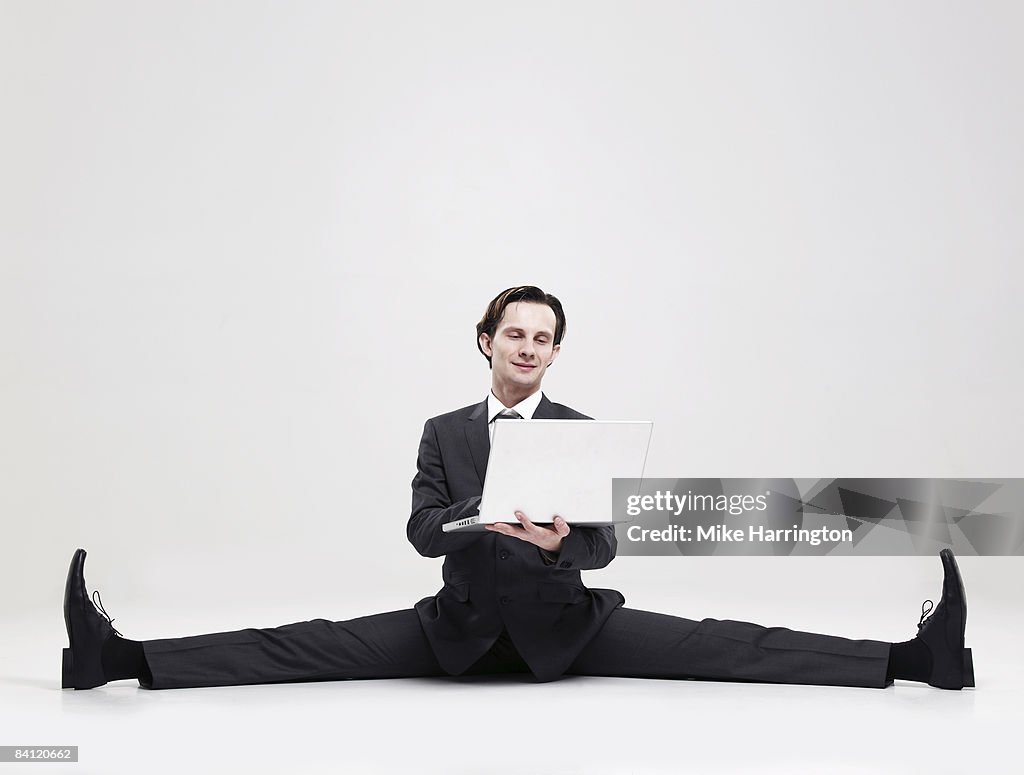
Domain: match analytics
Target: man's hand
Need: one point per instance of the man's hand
(547, 538)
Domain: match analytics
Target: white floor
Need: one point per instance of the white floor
(577, 725)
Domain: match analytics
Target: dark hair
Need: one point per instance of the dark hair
(529, 293)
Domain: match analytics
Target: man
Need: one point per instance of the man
(513, 599)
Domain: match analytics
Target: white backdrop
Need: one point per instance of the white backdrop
(243, 247)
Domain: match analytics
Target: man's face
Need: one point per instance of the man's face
(522, 348)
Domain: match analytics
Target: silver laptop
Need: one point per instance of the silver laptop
(549, 468)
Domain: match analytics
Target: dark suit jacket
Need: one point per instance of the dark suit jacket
(493, 581)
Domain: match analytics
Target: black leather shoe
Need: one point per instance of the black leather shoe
(943, 631)
(88, 630)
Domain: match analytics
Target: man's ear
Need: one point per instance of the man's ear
(485, 344)
(554, 354)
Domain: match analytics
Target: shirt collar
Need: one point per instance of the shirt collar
(526, 407)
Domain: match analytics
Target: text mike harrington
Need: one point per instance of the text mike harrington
(667, 501)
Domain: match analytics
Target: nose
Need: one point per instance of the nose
(526, 350)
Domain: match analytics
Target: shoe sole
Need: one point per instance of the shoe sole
(67, 662)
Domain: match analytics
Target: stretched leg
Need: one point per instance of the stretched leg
(648, 645)
(642, 644)
(387, 645)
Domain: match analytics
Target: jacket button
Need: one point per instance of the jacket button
(505, 601)
(503, 555)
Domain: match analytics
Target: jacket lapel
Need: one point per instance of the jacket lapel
(545, 410)
(476, 437)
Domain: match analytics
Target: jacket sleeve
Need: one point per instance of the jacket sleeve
(432, 506)
(585, 548)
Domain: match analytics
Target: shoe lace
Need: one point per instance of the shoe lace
(98, 602)
(926, 608)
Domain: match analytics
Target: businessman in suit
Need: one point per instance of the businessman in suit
(513, 599)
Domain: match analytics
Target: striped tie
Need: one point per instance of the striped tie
(508, 414)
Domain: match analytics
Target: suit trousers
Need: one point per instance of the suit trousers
(631, 644)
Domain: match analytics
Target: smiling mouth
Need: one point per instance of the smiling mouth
(524, 365)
